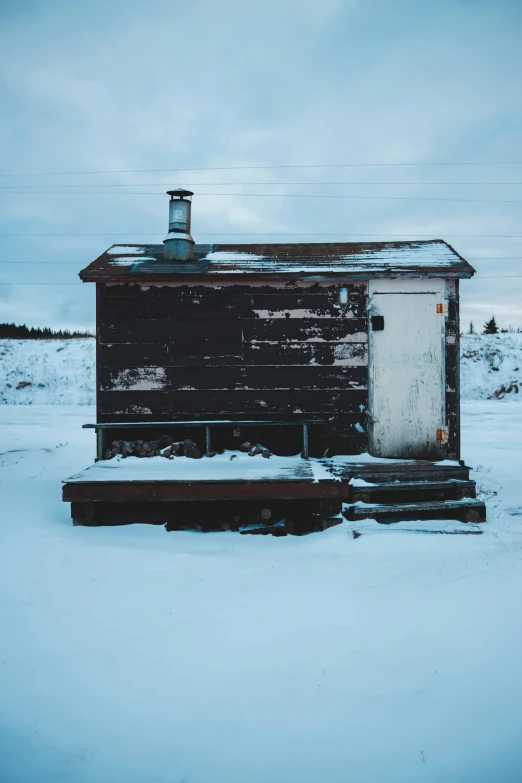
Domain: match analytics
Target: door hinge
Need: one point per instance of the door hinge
(442, 436)
(441, 308)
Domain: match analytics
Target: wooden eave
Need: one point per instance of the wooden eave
(243, 279)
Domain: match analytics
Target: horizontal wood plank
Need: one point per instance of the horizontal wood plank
(158, 355)
(400, 470)
(171, 405)
(150, 305)
(167, 491)
(238, 377)
(325, 305)
(232, 333)
(217, 305)
(305, 330)
(217, 288)
(294, 353)
(468, 510)
(137, 355)
(189, 337)
(144, 354)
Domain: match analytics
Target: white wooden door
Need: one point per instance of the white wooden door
(407, 369)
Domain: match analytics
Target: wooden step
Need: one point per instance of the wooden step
(413, 491)
(469, 510)
(397, 471)
(449, 527)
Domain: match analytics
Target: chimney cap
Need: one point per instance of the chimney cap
(179, 192)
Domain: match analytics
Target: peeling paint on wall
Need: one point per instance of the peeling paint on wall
(351, 355)
(302, 313)
(139, 379)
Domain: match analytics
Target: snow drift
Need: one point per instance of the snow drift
(47, 372)
(62, 372)
(491, 366)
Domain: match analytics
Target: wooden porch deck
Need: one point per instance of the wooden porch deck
(242, 488)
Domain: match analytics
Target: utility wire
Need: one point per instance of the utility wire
(403, 236)
(265, 195)
(251, 168)
(233, 184)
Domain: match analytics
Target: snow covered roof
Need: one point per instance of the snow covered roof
(315, 261)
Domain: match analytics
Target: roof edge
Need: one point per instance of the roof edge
(285, 256)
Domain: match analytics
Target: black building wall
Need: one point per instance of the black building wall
(453, 369)
(237, 352)
(169, 353)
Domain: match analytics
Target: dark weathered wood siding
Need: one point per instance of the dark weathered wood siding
(453, 369)
(237, 352)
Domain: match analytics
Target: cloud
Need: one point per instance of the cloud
(170, 84)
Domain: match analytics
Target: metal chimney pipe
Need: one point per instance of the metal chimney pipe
(178, 242)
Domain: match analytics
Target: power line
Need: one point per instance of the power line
(32, 284)
(264, 195)
(403, 236)
(251, 168)
(233, 184)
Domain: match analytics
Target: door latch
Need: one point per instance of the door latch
(377, 322)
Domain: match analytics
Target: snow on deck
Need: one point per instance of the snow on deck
(231, 466)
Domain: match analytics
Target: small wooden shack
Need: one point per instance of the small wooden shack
(333, 350)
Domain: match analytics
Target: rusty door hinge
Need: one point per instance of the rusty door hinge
(441, 308)
(442, 436)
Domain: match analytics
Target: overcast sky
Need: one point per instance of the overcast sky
(163, 84)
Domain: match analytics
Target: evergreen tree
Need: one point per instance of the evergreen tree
(23, 332)
(471, 328)
(490, 327)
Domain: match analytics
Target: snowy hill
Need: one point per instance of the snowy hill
(62, 372)
(491, 366)
(47, 372)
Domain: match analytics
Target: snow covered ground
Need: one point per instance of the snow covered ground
(47, 372)
(130, 654)
(491, 363)
(62, 372)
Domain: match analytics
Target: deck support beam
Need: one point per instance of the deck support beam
(305, 441)
(99, 443)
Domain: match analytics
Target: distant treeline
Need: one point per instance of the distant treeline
(14, 332)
